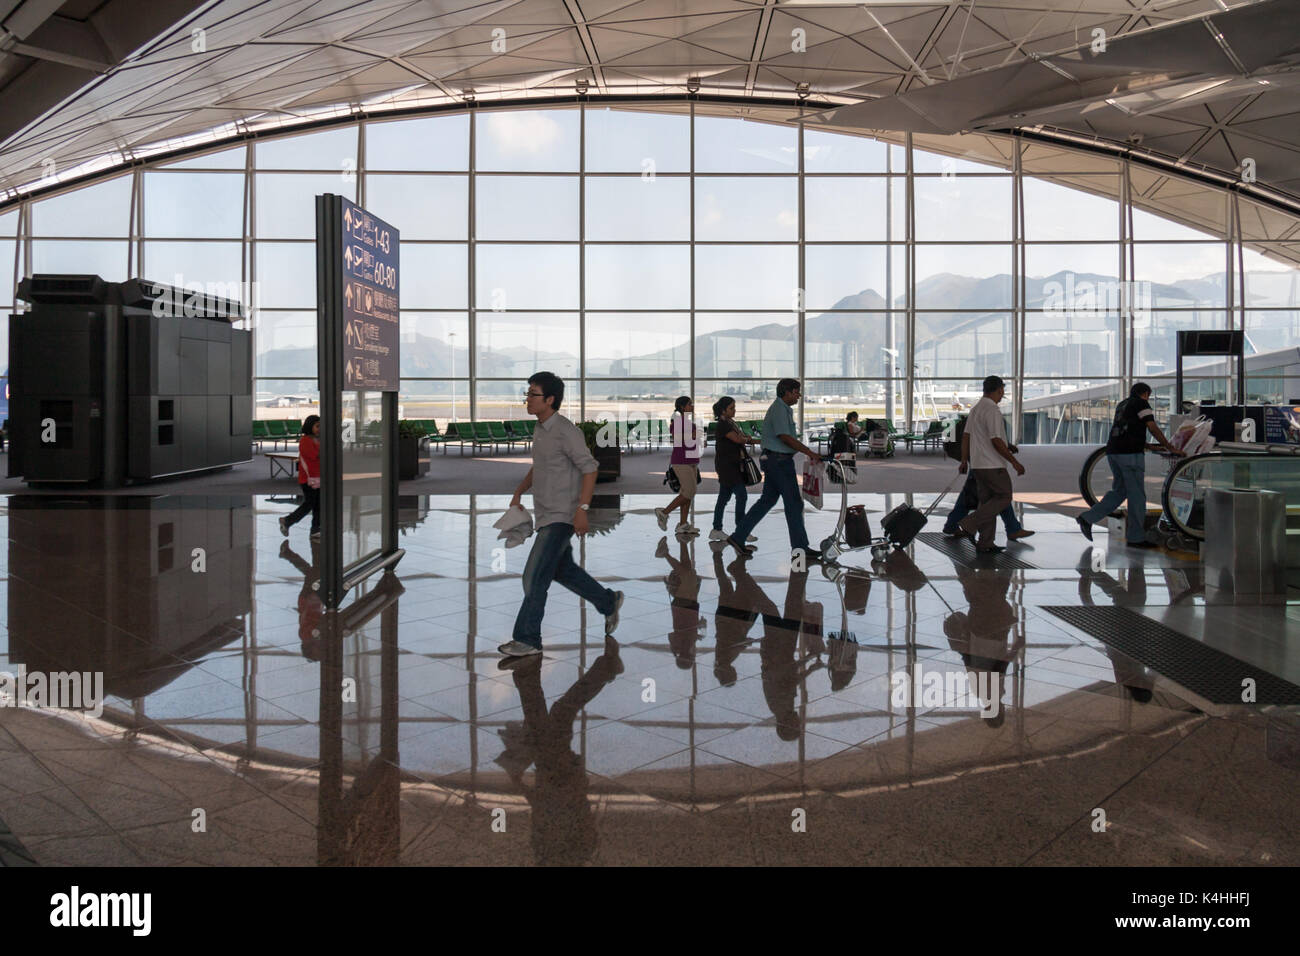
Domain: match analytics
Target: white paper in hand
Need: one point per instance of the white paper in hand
(516, 517)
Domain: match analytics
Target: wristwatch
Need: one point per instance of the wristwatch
(584, 507)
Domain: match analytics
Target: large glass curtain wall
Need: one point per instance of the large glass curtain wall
(643, 255)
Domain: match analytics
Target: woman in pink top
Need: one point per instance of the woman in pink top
(688, 446)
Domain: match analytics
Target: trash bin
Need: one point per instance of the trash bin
(1245, 541)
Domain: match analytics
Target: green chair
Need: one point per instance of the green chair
(434, 436)
(276, 432)
(483, 435)
(260, 433)
(501, 434)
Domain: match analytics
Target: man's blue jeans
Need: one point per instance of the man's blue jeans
(725, 494)
(961, 509)
(779, 481)
(1129, 484)
(552, 560)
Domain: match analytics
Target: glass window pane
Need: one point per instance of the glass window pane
(1185, 274)
(1068, 413)
(286, 398)
(622, 141)
(515, 345)
(1271, 281)
(443, 401)
(725, 145)
(103, 209)
(434, 276)
(845, 208)
(634, 401)
(1072, 344)
(526, 207)
(527, 141)
(1148, 226)
(645, 209)
(1057, 212)
(421, 207)
(962, 209)
(856, 345)
(333, 149)
(964, 345)
(963, 277)
(504, 400)
(194, 205)
(286, 275)
(638, 277)
(224, 159)
(436, 143)
(1272, 330)
(753, 397)
(1050, 158)
(215, 266)
(435, 345)
(832, 400)
(286, 345)
(1167, 207)
(746, 346)
(847, 277)
(1155, 344)
(286, 202)
(1264, 389)
(638, 343)
(1073, 277)
(9, 223)
(8, 248)
(104, 258)
(924, 161)
(839, 153)
(755, 210)
(746, 277)
(526, 277)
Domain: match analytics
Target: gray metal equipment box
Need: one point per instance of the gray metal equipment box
(1245, 541)
(115, 382)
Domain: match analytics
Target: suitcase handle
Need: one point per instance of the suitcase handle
(943, 494)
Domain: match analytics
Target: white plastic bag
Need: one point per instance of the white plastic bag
(814, 477)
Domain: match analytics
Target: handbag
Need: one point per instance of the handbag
(670, 479)
(749, 472)
(812, 483)
(312, 481)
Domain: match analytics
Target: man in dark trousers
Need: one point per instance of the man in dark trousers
(984, 445)
(1126, 455)
(562, 479)
(780, 480)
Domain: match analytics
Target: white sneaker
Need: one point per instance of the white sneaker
(751, 539)
(518, 649)
(717, 534)
(662, 517)
(611, 619)
(684, 528)
(284, 527)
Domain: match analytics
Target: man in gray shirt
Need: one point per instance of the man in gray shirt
(562, 479)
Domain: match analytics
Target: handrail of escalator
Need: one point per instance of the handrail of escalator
(1179, 465)
(1085, 484)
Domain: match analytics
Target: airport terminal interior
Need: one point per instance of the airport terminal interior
(887, 202)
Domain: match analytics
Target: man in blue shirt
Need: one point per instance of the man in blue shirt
(779, 478)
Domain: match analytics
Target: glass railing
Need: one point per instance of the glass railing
(1266, 468)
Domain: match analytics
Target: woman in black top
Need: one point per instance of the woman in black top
(729, 444)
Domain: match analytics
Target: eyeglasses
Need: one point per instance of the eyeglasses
(532, 394)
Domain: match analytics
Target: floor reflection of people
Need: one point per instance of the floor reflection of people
(563, 825)
(983, 636)
(1128, 590)
(683, 584)
(784, 668)
(310, 606)
(738, 609)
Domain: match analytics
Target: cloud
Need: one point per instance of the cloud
(526, 134)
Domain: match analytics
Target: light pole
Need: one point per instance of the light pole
(451, 338)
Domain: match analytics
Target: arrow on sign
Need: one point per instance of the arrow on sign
(347, 294)
(347, 218)
(348, 333)
(347, 256)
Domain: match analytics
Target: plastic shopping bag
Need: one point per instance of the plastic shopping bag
(814, 472)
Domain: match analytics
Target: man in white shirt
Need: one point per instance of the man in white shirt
(984, 446)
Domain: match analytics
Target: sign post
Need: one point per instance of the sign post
(358, 343)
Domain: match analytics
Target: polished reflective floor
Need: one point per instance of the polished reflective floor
(922, 710)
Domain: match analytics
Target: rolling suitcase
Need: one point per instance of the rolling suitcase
(904, 523)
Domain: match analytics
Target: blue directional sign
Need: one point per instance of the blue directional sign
(371, 333)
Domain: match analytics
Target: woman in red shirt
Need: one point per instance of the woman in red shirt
(308, 477)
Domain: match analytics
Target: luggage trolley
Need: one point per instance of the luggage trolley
(857, 537)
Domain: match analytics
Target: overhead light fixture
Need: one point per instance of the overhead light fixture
(468, 93)
(693, 84)
(582, 86)
(803, 90)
